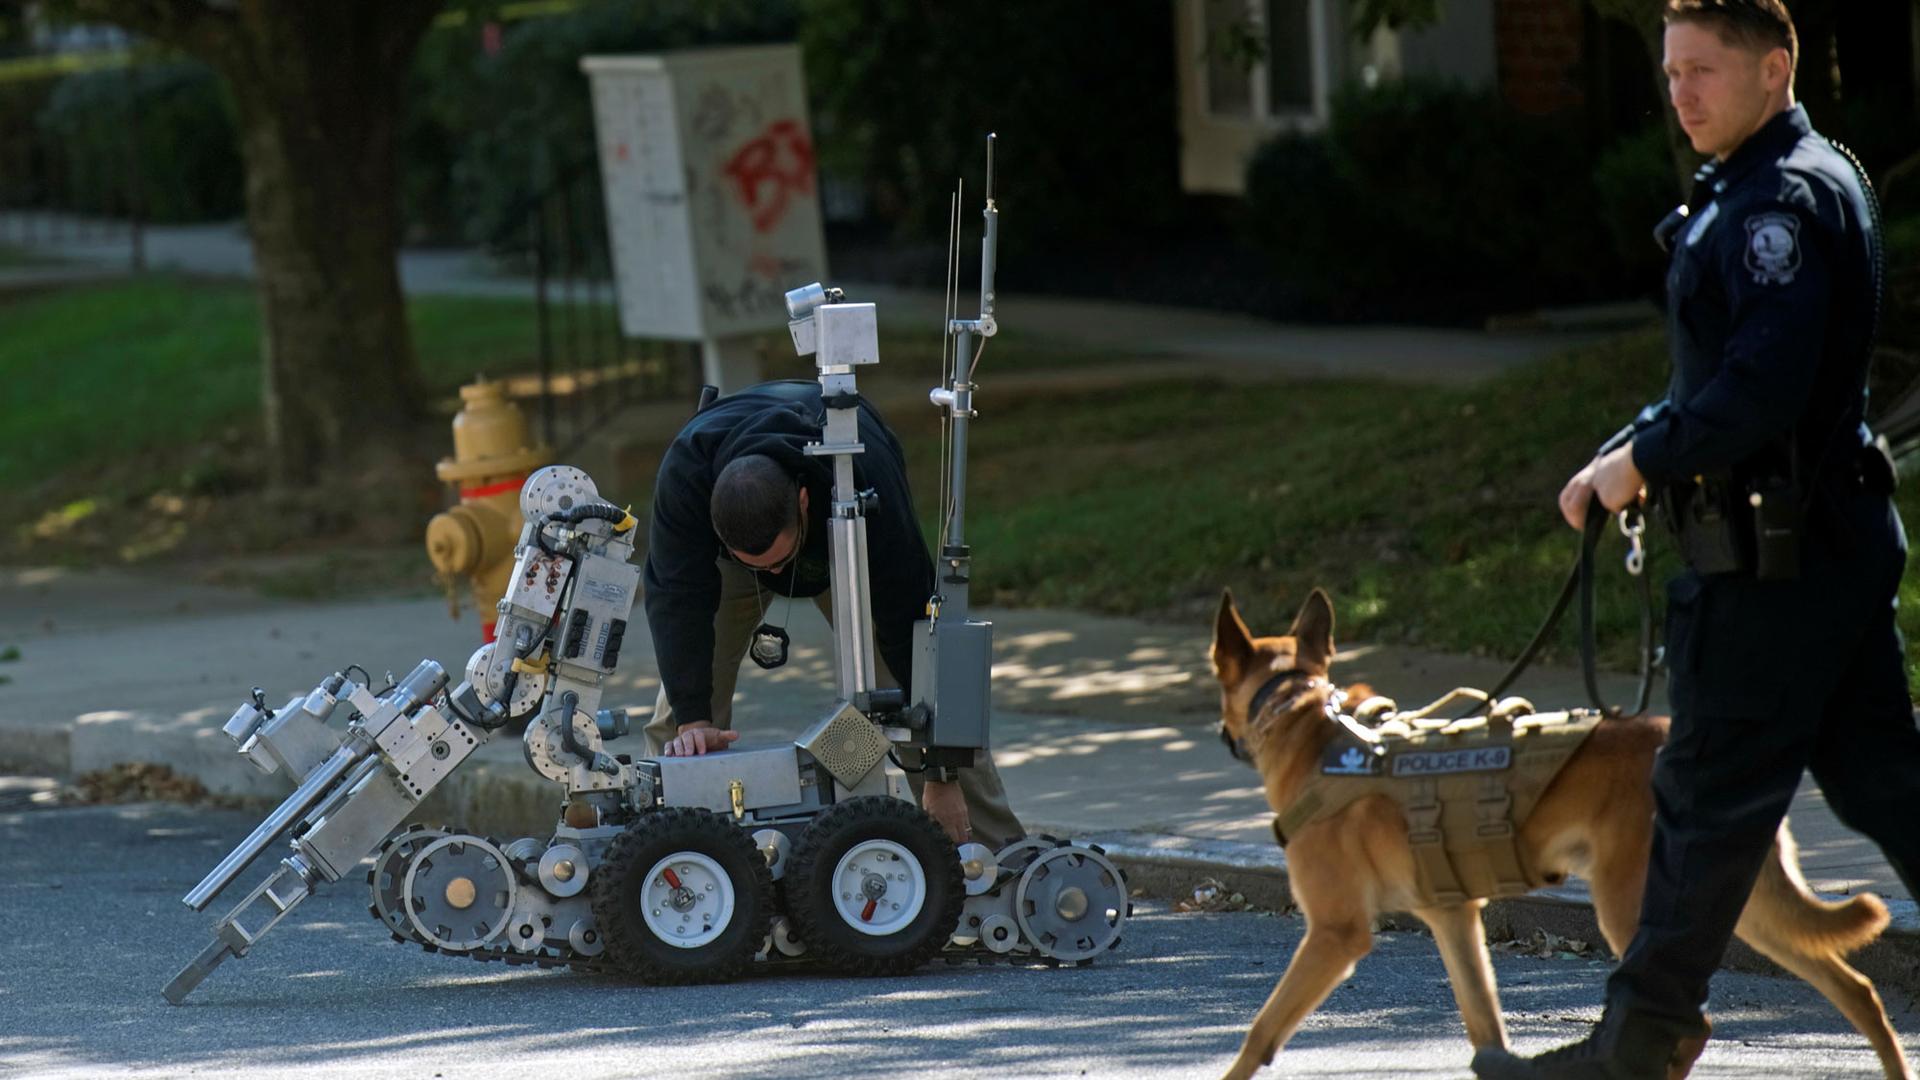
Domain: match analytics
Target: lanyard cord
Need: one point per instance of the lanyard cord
(760, 596)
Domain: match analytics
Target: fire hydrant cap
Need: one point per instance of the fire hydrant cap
(483, 388)
(490, 438)
(453, 542)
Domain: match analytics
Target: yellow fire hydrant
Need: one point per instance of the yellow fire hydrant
(492, 456)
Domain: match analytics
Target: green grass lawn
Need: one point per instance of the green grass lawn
(101, 373)
(1428, 512)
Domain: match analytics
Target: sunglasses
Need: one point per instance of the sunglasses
(799, 542)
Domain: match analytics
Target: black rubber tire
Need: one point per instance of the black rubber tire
(614, 895)
(809, 881)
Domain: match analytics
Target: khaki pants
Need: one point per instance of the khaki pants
(742, 607)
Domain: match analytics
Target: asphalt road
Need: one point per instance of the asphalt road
(92, 896)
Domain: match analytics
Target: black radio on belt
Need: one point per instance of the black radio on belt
(1777, 514)
(1726, 526)
(1705, 518)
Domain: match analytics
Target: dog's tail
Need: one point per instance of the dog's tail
(1826, 925)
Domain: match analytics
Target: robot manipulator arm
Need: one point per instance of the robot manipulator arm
(356, 786)
(491, 711)
(396, 749)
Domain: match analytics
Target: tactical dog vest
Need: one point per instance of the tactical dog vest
(1466, 787)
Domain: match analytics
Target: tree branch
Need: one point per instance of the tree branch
(410, 22)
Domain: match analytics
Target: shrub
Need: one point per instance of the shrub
(1636, 185)
(1431, 201)
(1080, 93)
(173, 120)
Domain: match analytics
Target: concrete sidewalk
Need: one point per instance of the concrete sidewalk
(1224, 343)
(1104, 726)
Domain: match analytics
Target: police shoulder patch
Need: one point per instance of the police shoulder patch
(1773, 247)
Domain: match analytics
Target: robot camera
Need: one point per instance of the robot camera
(802, 301)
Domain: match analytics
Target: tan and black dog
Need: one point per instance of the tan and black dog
(1594, 818)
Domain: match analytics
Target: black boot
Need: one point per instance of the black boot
(1625, 1045)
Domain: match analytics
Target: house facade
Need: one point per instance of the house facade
(1249, 69)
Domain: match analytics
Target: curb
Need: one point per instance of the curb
(497, 795)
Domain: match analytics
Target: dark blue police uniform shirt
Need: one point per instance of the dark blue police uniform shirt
(1770, 307)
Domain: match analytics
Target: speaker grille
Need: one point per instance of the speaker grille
(847, 744)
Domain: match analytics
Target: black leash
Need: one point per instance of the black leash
(1632, 525)
(1580, 578)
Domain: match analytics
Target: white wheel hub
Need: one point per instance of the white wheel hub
(687, 900)
(879, 887)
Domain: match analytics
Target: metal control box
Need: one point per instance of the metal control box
(952, 663)
(848, 334)
(713, 208)
(594, 629)
(769, 777)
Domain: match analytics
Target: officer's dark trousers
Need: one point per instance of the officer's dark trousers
(1770, 679)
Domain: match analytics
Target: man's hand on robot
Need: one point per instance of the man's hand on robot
(942, 800)
(699, 738)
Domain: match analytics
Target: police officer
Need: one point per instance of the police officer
(1781, 644)
(739, 531)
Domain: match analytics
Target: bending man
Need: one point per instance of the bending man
(739, 531)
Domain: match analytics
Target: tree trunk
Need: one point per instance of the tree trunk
(318, 87)
(319, 104)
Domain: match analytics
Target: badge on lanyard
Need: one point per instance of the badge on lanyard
(769, 648)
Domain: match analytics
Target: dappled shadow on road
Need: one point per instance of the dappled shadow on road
(1835, 858)
(1046, 662)
(1111, 669)
(329, 995)
(1762, 1024)
(1159, 778)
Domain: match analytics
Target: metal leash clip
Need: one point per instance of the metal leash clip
(1632, 525)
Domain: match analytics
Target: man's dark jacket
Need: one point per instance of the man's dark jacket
(777, 419)
(1770, 308)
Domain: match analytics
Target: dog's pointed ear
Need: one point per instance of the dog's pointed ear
(1313, 631)
(1232, 649)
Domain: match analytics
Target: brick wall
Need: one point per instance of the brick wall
(1538, 44)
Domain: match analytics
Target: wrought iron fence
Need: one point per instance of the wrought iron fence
(586, 368)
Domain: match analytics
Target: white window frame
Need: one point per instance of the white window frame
(1319, 24)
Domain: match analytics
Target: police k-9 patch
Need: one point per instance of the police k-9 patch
(1439, 762)
(1773, 248)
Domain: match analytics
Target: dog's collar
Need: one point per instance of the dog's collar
(1273, 685)
(1263, 697)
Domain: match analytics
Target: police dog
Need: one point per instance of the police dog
(1595, 819)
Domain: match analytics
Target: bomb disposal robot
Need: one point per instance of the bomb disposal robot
(664, 868)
